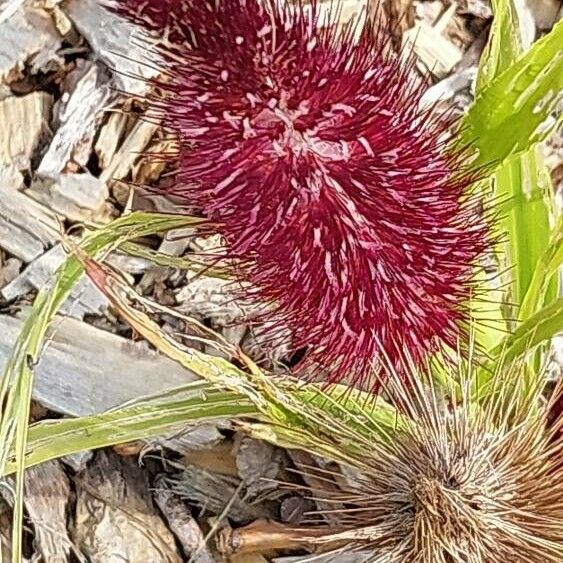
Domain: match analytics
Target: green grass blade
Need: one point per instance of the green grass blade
(162, 413)
(538, 329)
(524, 183)
(542, 288)
(505, 43)
(503, 48)
(141, 419)
(17, 380)
(511, 112)
(167, 261)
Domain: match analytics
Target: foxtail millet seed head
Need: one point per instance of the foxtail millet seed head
(334, 190)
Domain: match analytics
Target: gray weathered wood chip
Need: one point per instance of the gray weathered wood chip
(84, 297)
(28, 36)
(27, 228)
(84, 370)
(258, 465)
(78, 197)
(182, 523)
(216, 493)
(116, 42)
(77, 119)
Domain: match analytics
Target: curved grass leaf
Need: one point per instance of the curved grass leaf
(289, 407)
(511, 113)
(146, 418)
(538, 329)
(172, 410)
(546, 268)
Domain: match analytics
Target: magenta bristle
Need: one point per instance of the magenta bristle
(312, 157)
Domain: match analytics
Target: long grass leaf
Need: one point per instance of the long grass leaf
(521, 183)
(512, 112)
(17, 380)
(142, 419)
(538, 329)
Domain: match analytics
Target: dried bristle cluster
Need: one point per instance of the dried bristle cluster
(310, 154)
(456, 487)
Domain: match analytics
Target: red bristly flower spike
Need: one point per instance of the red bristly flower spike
(311, 155)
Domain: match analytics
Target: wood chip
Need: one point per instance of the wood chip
(395, 15)
(84, 298)
(479, 8)
(128, 264)
(295, 509)
(544, 12)
(207, 297)
(78, 116)
(110, 137)
(9, 270)
(119, 44)
(78, 461)
(27, 228)
(10, 177)
(269, 352)
(259, 463)
(74, 378)
(217, 459)
(78, 197)
(200, 436)
(47, 493)
(360, 557)
(130, 151)
(248, 558)
(116, 519)
(60, 19)
(25, 125)
(428, 11)
(28, 37)
(346, 15)
(448, 87)
(216, 493)
(149, 169)
(182, 524)
(434, 51)
(303, 461)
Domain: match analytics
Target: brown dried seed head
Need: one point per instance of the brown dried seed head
(457, 486)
